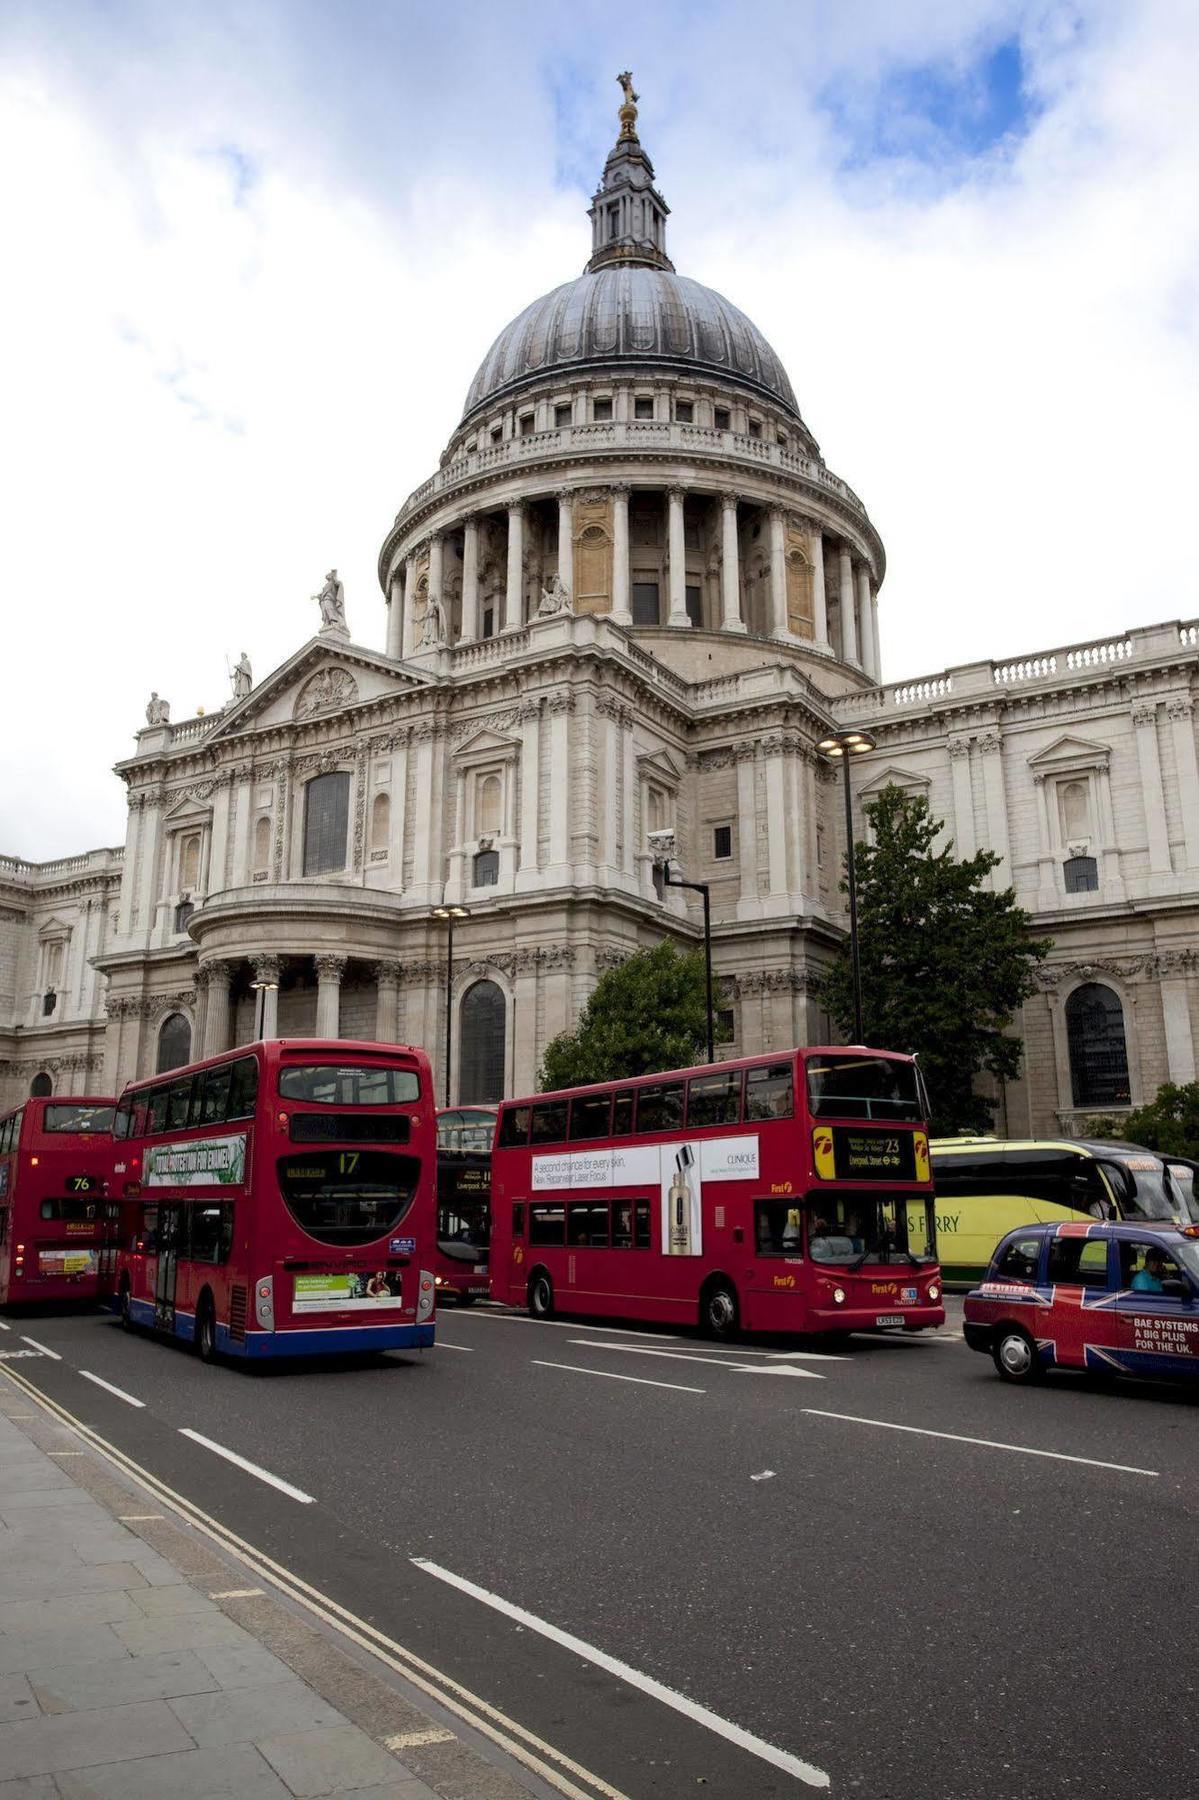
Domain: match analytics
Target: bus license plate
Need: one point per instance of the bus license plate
(890, 1319)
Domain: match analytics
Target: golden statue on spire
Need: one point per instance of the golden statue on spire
(628, 112)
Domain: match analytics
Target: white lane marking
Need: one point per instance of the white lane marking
(717, 1362)
(416, 1740)
(52, 1354)
(14, 1355)
(4, 1327)
(664, 1337)
(690, 1709)
(443, 1344)
(766, 1475)
(120, 1393)
(607, 1375)
(988, 1443)
(274, 1481)
(780, 1369)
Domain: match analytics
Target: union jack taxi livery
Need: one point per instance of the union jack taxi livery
(1115, 1298)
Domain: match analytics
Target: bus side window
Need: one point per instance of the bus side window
(514, 1125)
(156, 1115)
(590, 1115)
(547, 1225)
(622, 1224)
(587, 1222)
(243, 1088)
(214, 1104)
(122, 1124)
(549, 1122)
(179, 1096)
(660, 1106)
(211, 1232)
(714, 1099)
(622, 1114)
(769, 1092)
(641, 1227)
(518, 1219)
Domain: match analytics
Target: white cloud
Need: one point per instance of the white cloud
(261, 263)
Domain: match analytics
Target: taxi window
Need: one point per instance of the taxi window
(1078, 1262)
(1145, 1267)
(1018, 1260)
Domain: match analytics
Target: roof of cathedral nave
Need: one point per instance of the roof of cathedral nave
(629, 305)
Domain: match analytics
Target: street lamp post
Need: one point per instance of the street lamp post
(662, 842)
(847, 744)
(449, 914)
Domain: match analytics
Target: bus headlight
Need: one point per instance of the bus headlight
(934, 1292)
(839, 1296)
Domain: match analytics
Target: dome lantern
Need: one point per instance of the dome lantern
(628, 214)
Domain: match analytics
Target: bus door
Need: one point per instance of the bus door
(166, 1275)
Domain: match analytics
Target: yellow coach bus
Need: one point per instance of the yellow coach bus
(986, 1187)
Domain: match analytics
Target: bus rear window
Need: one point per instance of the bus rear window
(345, 1084)
(514, 1125)
(90, 1120)
(863, 1087)
(348, 1196)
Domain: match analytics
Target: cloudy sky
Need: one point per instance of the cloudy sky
(255, 252)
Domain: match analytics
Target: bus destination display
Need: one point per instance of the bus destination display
(873, 1155)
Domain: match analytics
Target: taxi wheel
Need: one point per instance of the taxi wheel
(1016, 1356)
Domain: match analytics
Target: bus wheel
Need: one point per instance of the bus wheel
(1015, 1355)
(126, 1306)
(541, 1296)
(718, 1310)
(206, 1330)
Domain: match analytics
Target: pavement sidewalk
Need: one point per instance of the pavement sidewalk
(136, 1663)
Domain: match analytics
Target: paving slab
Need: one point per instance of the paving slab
(237, 1772)
(166, 1602)
(82, 1687)
(48, 1579)
(182, 1632)
(16, 1699)
(243, 1715)
(329, 1761)
(81, 1740)
(70, 1609)
(37, 1787)
(244, 1665)
(21, 1650)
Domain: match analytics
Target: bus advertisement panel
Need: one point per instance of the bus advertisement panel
(788, 1193)
(279, 1200)
(464, 1135)
(55, 1169)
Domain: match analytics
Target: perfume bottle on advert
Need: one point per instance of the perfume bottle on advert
(679, 1205)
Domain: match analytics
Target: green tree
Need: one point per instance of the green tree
(946, 962)
(1168, 1123)
(648, 1013)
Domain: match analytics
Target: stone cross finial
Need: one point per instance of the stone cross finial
(628, 112)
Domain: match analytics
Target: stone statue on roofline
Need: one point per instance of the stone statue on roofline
(433, 630)
(158, 711)
(242, 677)
(554, 599)
(332, 602)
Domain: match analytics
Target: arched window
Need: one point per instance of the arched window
(262, 844)
(326, 822)
(486, 868)
(481, 1044)
(380, 821)
(490, 806)
(1098, 1055)
(40, 1086)
(174, 1042)
(189, 861)
(183, 913)
(1081, 873)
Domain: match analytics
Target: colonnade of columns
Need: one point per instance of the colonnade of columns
(855, 597)
(214, 1026)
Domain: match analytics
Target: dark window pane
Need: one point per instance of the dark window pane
(778, 1228)
(40, 1086)
(174, 1043)
(348, 1196)
(1018, 1261)
(561, 416)
(214, 1105)
(158, 1110)
(1082, 874)
(645, 603)
(487, 868)
(482, 1028)
(643, 408)
(1098, 1055)
(695, 605)
(622, 1224)
(518, 1219)
(587, 1222)
(1078, 1262)
(326, 821)
(549, 1122)
(243, 1090)
(178, 1105)
(722, 417)
(547, 1225)
(722, 842)
(622, 1114)
(601, 411)
(589, 1116)
(349, 1084)
(660, 1107)
(714, 1099)
(514, 1125)
(90, 1119)
(641, 1225)
(768, 1092)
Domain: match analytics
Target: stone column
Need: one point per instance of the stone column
(408, 630)
(217, 1021)
(779, 623)
(1144, 719)
(849, 628)
(437, 576)
(559, 707)
(566, 542)
(387, 1004)
(149, 880)
(610, 710)
(203, 978)
(963, 795)
(514, 601)
(622, 599)
(266, 968)
(470, 582)
(1176, 1017)
(819, 599)
(776, 821)
(865, 628)
(677, 554)
(749, 905)
(874, 638)
(1180, 713)
(730, 566)
(530, 792)
(329, 971)
(991, 746)
(395, 614)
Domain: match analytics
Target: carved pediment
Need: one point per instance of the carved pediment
(486, 746)
(322, 678)
(1068, 755)
(189, 811)
(54, 928)
(330, 690)
(661, 765)
(895, 776)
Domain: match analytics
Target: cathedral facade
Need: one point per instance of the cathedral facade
(633, 598)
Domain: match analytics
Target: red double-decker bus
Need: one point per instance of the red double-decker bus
(55, 1166)
(284, 1200)
(464, 1136)
(785, 1193)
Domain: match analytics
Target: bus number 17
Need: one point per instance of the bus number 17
(347, 1161)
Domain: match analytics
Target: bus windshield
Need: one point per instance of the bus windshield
(853, 1229)
(863, 1087)
(93, 1120)
(1150, 1199)
(1182, 1181)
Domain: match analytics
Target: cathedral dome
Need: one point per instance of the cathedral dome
(628, 312)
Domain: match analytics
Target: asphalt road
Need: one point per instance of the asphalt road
(908, 1613)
